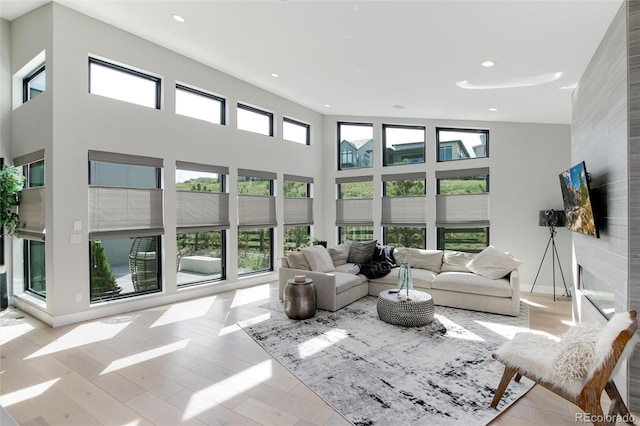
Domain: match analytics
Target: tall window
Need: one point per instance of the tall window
(462, 209)
(34, 84)
(256, 221)
(255, 120)
(404, 210)
(461, 144)
(296, 131)
(198, 104)
(202, 212)
(298, 210)
(354, 208)
(31, 210)
(122, 83)
(355, 145)
(403, 144)
(125, 225)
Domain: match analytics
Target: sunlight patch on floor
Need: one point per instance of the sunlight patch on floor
(211, 396)
(144, 356)
(10, 332)
(83, 335)
(507, 331)
(235, 327)
(532, 303)
(26, 393)
(457, 331)
(319, 343)
(250, 295)
(185, 311)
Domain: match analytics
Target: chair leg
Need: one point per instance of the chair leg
(504, 382)
(617, 403)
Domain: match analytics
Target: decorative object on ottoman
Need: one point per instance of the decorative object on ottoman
(405, 283)
(414, 311)
(300, 298)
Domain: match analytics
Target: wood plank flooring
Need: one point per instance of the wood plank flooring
(189, 363)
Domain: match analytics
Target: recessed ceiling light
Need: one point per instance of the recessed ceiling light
(493, 109)
(488, 63)
(177, 17)
(327, 105)
(274, 74)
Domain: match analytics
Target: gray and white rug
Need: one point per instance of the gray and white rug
(376, 373)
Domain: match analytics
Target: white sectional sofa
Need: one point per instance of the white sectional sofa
(446, 275)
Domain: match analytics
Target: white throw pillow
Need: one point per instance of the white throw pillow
(492, 263)
(430, 260)
(456, 261)
(297, 260)
(339, 254)
(318, 258)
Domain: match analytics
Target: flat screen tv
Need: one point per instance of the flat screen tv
(576, 195)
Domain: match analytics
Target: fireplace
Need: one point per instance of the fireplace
(597, 291)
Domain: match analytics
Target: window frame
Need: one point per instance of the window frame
(402, 126)
(259, 111)
(26, 82)
(440, 231)
(306, 126)
(221, 100)
(461, 130)
(130, 71)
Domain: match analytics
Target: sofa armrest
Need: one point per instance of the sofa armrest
(514, 280)
(321, 280)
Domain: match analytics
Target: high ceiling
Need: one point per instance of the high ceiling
(416, 59)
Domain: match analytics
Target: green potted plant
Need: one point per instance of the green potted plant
(11, 183)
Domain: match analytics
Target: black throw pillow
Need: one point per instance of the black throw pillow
(361, 251)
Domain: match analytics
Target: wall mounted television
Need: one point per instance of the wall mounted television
(577, 198)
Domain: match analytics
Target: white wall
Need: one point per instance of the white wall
(525, 161)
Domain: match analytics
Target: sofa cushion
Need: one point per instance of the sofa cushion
(493, 263)
(296, 260)
(422, 259)
(467, 282)
(456, 261)
(421, 278)
(318, 258)
(361, 251)
(346, 281)
(339, 254)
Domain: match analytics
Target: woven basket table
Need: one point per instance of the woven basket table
(415, 311)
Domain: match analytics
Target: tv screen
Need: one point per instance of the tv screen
(576, 196)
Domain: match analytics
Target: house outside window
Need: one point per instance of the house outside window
(355, 145)
(461, 144)
(202, 215)
(403, 144)
(125, 225)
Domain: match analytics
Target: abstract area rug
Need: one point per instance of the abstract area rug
(375, 373)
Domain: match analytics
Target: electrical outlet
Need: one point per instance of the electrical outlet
(78, 297)
(75, 238)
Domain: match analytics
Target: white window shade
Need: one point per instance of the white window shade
(124, 212)
(256, 211)
(201, 211)
(31, 211)
(354, 212)
(298, 211)
(462, 210)
(404, 211)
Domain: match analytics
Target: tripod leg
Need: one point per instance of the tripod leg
(567, 293)
(541, 262)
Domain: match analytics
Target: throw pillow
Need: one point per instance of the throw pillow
(456, 261)
(361, 251)
(430, 260)
(492, 263)
(297, 260)
(339, 254)
(576, 352)
(318, 258)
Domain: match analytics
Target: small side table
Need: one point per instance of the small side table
(416, 311)
(300, 298)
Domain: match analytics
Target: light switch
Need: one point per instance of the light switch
(77, 225)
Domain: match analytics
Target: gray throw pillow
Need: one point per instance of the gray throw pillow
(361, 251)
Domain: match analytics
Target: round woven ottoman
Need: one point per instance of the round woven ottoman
(416, 311)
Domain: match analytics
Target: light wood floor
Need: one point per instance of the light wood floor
(189, 363)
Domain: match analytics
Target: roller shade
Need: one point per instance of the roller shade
(257, 174)
(462, 210)
(256, 211)
(298, 211)
(404, 176)
(31, 212)
(201, 211)
(124, 212)
(294, 178)
(134, 160)
(352, 179)
(205, 168)
(354, 212)
(404, 211)
(458, 173)
(29, 158)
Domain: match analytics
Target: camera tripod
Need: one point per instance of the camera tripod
(554, 256)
